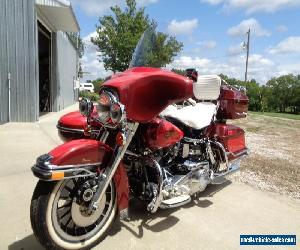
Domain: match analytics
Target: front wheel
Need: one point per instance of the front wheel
(59, 215)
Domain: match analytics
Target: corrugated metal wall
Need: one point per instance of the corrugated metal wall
(64, 71)
(18, 55)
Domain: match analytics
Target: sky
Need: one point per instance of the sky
(213, 32)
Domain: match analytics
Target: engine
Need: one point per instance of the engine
(171, 174)
(189, 165)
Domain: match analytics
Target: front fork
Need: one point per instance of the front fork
(108, 173)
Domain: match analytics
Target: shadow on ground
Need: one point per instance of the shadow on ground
(28, 243)
(162, 219)
(158, 222)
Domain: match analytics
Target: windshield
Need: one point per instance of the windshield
(144, 51)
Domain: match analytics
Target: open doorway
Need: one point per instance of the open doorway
(44, 45)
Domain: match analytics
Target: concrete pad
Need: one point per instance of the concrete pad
(213, 220)
(22, 143)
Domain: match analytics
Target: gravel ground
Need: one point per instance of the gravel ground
(274, 161)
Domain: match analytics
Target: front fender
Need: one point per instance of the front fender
(77, 152)
(81, 158)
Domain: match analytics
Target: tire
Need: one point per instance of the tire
(50, 234)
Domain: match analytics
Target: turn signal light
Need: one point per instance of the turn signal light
(57, 176)
(120, 139)
(87, 130)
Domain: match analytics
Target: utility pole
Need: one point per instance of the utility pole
(248, 45)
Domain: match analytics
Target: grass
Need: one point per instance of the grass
(280, 115)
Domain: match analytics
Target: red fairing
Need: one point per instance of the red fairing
(146, 92)
(160, 133)
(83, 151)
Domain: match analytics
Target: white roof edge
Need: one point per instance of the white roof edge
(64, 2)
(61, 3)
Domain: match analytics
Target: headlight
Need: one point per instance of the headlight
(109, 109)
(86, 107)
(117, 112)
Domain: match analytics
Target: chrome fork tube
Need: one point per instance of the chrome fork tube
(158, 197)
(107, 175)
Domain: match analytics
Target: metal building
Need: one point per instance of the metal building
(38, 59)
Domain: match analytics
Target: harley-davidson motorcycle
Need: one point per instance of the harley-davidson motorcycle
(137, 145)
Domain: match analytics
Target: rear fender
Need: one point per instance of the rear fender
(80, 158)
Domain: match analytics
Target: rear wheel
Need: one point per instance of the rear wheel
(59, 215)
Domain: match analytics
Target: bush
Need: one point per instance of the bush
(92, 96)
(97, 84)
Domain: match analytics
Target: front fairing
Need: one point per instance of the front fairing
(146, 92)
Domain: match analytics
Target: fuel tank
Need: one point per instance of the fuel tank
(160, 133)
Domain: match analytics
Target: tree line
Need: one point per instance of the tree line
(279, 94)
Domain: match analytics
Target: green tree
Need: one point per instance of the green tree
(119, 33)
(165, 49)
(97, 84)
(179, 71)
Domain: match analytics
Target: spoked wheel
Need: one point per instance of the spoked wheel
(60, 218)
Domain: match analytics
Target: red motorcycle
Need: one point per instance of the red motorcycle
(140, 145)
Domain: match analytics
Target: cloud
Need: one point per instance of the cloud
(243, 27)
(288, 45)
(184, 62)
(252, 6)
(288, 68)
(260, 67)
(211, 44)
(235, 50)
(259, 60)
(90, 61)
(100, 7)
(213, 2)
(282, 28)
(184, 27)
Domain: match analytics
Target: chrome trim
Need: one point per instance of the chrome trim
(112, 99)
(73, 130)
(86, 107)
(128, 152)
(71, 172)
(124, 215)
(218, 144)
(156, 201)
(234, 165)
(104, 136)
(43, 169)
(105, 177)
(192, 140)
(243, 152)
(167, 206)
(48, 166)
(122, 113)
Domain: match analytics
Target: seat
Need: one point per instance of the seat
(198, 116)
